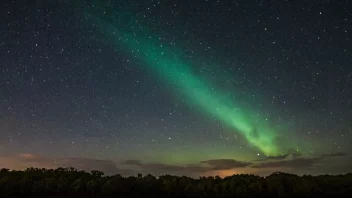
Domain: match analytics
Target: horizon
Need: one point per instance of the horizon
(161, 175)
(133, 167)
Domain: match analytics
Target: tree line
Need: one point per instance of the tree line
(71, 182)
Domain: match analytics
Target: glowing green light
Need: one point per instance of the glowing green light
(176, 72)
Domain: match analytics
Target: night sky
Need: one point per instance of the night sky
(200, 87)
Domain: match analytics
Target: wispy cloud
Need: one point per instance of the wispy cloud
(294, 163)
(225, 164)
(338, 154)
(201, 167)
(297, 162)
(278, 157)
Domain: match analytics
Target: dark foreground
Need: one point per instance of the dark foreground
(68, 182)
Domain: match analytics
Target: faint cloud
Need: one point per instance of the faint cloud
(164, 168)
(133, 162)
(294, 163)
(225, 164)
(298, 162)
(189, 169)
(338, 154)
(277, 157)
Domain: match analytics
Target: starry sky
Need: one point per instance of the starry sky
(201, 87)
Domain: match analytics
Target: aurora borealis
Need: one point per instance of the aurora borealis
(196, 88)
(170, 67)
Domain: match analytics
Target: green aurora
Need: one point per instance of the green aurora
(168, 64)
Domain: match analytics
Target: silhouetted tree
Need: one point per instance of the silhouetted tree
(71, 182)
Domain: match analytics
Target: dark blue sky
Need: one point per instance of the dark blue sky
(67, 91)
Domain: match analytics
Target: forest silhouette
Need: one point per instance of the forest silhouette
(71, 182)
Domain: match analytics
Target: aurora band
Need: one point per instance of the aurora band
(168, 65)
